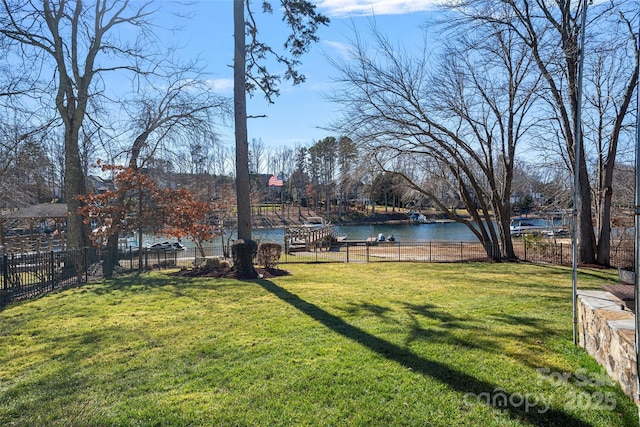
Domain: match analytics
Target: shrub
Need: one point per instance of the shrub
(269, 254)
(208, 263)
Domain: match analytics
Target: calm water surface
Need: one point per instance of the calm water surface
(449, 231)
(406, 232)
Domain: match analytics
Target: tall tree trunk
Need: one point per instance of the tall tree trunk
(110, 256)
(243, 184)
(140, 246)
(585, 233)
(503, 219)
(74, 184)
(240, 111)
(604, 242)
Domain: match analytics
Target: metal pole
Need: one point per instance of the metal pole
(636, 268)
(576, 172)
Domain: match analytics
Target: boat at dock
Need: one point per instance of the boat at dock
(315, 222)
(520, 226)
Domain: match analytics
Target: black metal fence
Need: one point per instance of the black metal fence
(25, 276)
(538, 251)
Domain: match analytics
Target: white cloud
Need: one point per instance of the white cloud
(341, 8)
(342, 49)
(220, 85)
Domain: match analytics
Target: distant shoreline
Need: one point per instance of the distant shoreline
(274, 218)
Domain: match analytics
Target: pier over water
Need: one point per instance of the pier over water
(309, 236)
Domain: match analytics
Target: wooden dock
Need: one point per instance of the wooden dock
(308, 238)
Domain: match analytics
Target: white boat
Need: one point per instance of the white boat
(166, 247)
(418, 217)
(556, 232)
(520, 226)
(315, 222)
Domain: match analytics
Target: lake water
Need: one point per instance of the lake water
(450, 231)
(446, 231)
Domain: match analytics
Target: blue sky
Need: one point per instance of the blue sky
(301, 113)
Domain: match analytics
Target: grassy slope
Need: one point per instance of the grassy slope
(378, 344)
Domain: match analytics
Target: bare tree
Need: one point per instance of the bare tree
(280, 161)
(175, 112)
(460, 124)
(54, 144)
(178, 112)
(551, 30)
(323, 162)
(299, 177)
(78, 45)
(611, 76)
(256, 155)
(24, 164)
(221, 160)
(23, 168)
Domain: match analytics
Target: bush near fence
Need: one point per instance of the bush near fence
(30, 275)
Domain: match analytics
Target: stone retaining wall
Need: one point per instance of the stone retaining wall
(607, 332)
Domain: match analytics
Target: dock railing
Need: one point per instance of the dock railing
(308, 238)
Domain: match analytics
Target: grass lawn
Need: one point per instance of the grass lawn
(332, 344)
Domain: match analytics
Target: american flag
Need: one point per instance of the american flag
(275, 181)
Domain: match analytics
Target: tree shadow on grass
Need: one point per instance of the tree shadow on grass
(177, 286)
(595, 272)
(433, 312)
(356, 309)
(441, 327)
(456, 380)
(441, 331)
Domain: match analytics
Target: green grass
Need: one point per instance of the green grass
(332, 344)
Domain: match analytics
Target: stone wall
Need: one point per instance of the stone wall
(607, 332)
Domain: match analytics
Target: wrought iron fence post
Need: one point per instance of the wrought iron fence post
(85, 254)
(348, 253)
(5, 271)
(367, 252)
(52, 269)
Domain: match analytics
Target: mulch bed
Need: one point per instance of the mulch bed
(229, 273)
